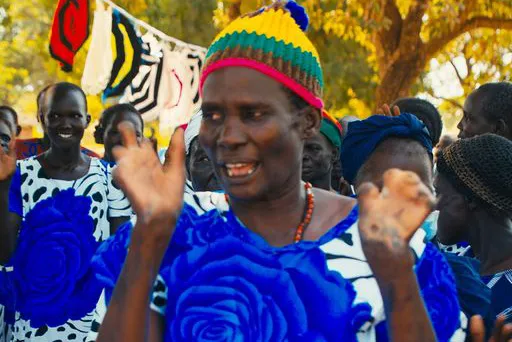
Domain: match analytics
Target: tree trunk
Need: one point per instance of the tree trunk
(398, 79)
(234, 10)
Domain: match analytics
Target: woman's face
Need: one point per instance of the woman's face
(454, 212)
(252, 134)
(112, 136)
(6, 135)
(65, 118)
(318, 159)
(200, 169)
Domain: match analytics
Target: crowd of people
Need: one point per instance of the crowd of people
(265, 219)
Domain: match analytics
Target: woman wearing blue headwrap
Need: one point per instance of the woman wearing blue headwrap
(379, 143)
(364, 137)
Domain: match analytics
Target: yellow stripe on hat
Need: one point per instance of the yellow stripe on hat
(275, 23)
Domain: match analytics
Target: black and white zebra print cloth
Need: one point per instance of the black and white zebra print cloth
(144, 90)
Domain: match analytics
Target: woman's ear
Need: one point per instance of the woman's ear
(503, 129)
(335, 155)
(472, 205)
(311, 119)
(88, 119)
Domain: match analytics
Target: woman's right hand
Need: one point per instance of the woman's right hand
(155, 191)
(7, 162)
(386, 110)
(502, 332)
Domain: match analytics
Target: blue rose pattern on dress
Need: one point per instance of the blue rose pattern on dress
(438, 289)
(231, 291)
(223, 286)
(52, 278)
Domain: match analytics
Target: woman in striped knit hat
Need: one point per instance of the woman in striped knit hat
(282, 261)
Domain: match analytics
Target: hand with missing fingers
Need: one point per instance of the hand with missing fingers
(386, 110)
(155, 191)
(389, 218)
(502, 332)
(7, 162)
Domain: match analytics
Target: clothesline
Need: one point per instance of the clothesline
(153, 30)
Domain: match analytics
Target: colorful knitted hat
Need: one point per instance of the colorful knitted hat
(331, 129)
(481, 169)
(271, 41)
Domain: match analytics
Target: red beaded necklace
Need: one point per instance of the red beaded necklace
(308, 212)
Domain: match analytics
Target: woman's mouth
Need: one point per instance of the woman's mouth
(65, 135)
(239, 170)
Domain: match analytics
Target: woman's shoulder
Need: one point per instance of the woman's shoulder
(23, 163)
(331, 210)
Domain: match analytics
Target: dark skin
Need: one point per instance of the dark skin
(501, 333)
(444, 142)
(6, 135)
(475, 122)
(317, 162)
(461, 219)
(112, 136)
(64, 121)
(414, 159)
(249, 119)
(9, 118)
(200, 169)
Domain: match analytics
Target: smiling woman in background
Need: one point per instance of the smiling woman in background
(60, 203)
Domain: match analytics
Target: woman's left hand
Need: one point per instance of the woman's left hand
(389, 218)
(502, 332)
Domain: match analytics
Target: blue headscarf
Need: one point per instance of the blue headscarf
(364, 136)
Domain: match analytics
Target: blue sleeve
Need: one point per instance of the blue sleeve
(474, 295)
(15, 201)
(439, 291)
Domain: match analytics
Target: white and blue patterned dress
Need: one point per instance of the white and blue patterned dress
(209, 275)
(29, 186)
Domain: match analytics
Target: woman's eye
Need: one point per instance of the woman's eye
(212, 115)
(254, 114)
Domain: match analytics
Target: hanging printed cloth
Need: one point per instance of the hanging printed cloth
(194, 62)
(177, 97)
(143, 92)
(126, 50)
(98, 64)
(70, 29)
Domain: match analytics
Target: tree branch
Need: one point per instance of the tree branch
(451, 101)
(387, 38)
(436, 44)
(461, 80)
(410, 35)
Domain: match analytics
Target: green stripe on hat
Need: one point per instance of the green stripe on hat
(304, 60)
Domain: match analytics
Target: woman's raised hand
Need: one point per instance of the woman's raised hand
(155, 191)
(389, 218)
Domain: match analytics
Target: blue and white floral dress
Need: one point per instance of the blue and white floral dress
(220, 281)
(81, 209)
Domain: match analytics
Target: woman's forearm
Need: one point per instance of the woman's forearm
(406, 315)
(9, 224)
(127, 317)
